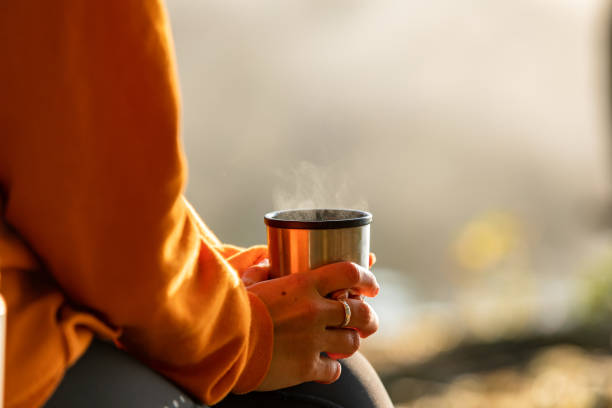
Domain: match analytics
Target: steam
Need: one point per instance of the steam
(310, 186)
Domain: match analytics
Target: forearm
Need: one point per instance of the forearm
(92, 169)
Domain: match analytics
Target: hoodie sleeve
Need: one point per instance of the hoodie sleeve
(93, 174)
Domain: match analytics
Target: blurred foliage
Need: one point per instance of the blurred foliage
(495, 291)
(558, 377)
(485, 241)
(595, 293)
(498, 313)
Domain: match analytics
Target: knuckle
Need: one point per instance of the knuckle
(352, 272)
(300, 279)
(247, 272)
(365, 312)
(312, 312)
(353, 341)
(309, 280)
(374, 322)
(254, 271)
(368, 319)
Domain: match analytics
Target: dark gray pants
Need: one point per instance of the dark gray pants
(105, 377)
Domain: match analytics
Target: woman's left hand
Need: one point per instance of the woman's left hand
(256, 273)
(261, 272)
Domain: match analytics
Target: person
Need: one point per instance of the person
(97, 240)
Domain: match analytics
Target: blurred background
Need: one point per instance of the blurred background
(475, 131)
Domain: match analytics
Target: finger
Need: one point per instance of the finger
(339, 294)
(345, 275)
(256, 273)
(354, 296)
(249, 257)
(263, 256)
(341, 343)
(372, 259)
(326, 370)
(363, 317)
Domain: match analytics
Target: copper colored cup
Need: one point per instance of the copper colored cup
(299, 240)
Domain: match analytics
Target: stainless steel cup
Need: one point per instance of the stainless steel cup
(299, 240)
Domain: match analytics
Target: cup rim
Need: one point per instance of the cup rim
(356, 218)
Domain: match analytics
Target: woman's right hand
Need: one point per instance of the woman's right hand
(306, 323)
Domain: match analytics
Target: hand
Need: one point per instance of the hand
(261, 272)
(256, 273)
(306, 322)
(349, 293)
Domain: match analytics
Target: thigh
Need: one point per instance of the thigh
(107, 377)
(358, 386)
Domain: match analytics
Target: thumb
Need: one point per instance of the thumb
(256, 273)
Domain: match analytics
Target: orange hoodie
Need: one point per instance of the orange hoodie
(95, 235)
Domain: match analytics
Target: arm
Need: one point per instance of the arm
(93, 174)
